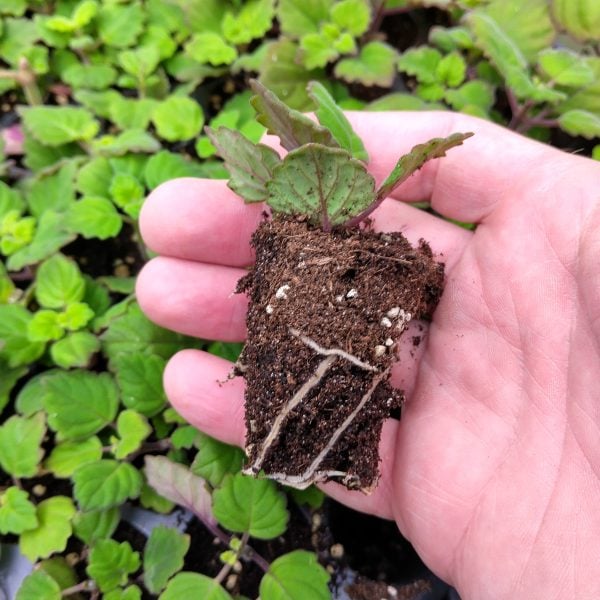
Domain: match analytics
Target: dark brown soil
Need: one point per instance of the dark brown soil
(326, 312)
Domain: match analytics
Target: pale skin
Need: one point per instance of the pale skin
(494, 472)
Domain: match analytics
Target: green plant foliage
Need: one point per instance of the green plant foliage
(244, 504)
(59, 282)
(17, 513)
(111, 563)
(581, 18)
(299, 17)
(215, 460)
(375, 65)
(194, 587)
(54, 126)
(95, 525)
(67, 457)
(178, 118)
(163, 556)
(39, 586)
(20, 444)
(16, 348)
(132, 430)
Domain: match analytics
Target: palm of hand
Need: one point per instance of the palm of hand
(495, 468)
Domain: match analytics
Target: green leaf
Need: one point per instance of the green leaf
(580, 18)
(317, 50)
(76, 316)
(67, 457)
(352, 15)
(127, 193)
(292, 127)
(166, 165)
(132, 429)
(105, 483)
(253, 20)
(45, 326)
(59, 282)
(416, 158)
(140, 62)
(118, 285)
(10, 200)
(158, 37)
(210, 48)
(401, 101)
(295, 576)
(245, 504)
(194, 586)
(94, 77)
(215, 460)
(54, 529)
(96, 525)
(178, 484)
(75, 350)
(163, 556)
(15, 346)
(178, 118)
(333, 118)
(580, 122)
(17, 513)
(50, 235)
(250, 165)
(299, 17)
(120, 25)
(565, 67)
(20, 445)
(29, 399)
(8, 380)
(131, 592)
(53, 192)
(58, 568)
(326, 184)
(132, 113)
(451, 70)
(473, 93)
(451, 38)
(18, 36)
(111, 563)
(94, 178)
(80, 403)
(94, 217)
(13, 7)
(375, 65)
(39, 586)
(132, 140)
(312, 496)
(139, 377)
(57, 125)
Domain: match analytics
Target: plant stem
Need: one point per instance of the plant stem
(158, 446)
(84, 586)
(225, 570)
(26, 79)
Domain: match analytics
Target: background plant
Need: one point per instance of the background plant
(102, 102)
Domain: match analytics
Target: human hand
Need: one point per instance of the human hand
(494, 472)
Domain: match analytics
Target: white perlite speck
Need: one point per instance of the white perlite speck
(389, 342)
(339, 298)
(352, 293)
(269, 309)
(281, 293)
(385, 322)
(393, 312)
(379, 350)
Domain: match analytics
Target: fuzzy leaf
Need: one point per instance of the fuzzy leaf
(56, 125)
(167, 165)
(352, 15)
(580, 122)
(17, 513)
(295, 576)
(421, 62)
(94, 217)
(132, 140)
(451, 38)
(473, 93)
(111, 563)
(58, 568)
(581, 18)
(139, 377)
(416, 158)
(215, 460)
(8, 380)
(93, 179)
(75, 316)
(324, 183)
(140, 62)
(54, 192)
(163, 556)
(59, 282)
(20, 445)
(565, 67)
(10, 199)
(375, 65)
(133, 429)
(75, 350)
(94, 77)
(178, 484)
(80, 403)
(54, 529)
(317, 50)
(119, 25)
(67, 457)
(131, 592)
(29, 399)
(96, 525)
(194, 586)
(250, 165)
(132, 113)
(105, 483)
(299, 17)
(15, 346)
(45, 326)
(253, 20)
(245, 504)
(451, 70)
(292, 127)
(332, 117)
(39, 586)
(210, 48)
(178, 118)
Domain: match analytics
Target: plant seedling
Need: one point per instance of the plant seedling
(329, 299)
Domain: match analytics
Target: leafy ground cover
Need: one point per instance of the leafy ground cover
(102, 102)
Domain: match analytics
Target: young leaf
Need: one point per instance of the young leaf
(178, 118)
(75, 316)
(132, 140)
(565, 67)
(80, 403)
(93, 179)
(45, 326)
(53, 531)
(56, 125)
(375, 65)
(194, 586)
(10, 200)
(163, 556)
(119, 25)
(111, 563)
(105, 483)
(295, 576)
(292, 127)
(332, 117)
(215, 460)
(352, 15)
(253, 20)
(131, 592)
(8, 380)
(250, 165)
(317, 50)
(20, 445)
(133, 429)
(94, 217)
(96, 525)
(139, 377)
(167, 165)
(75, 349)
(580, 122)
(67, 457)
(324, 183)
(245, 504)
(299, 17)
(211, 48)
(178, 484)
(581, 18)
(475, 93)
(451, 70)
(94, 77)
(17, 513)
(39, 586)
(53, 192)
(132, 113)
(15, 346)
(59, 282)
